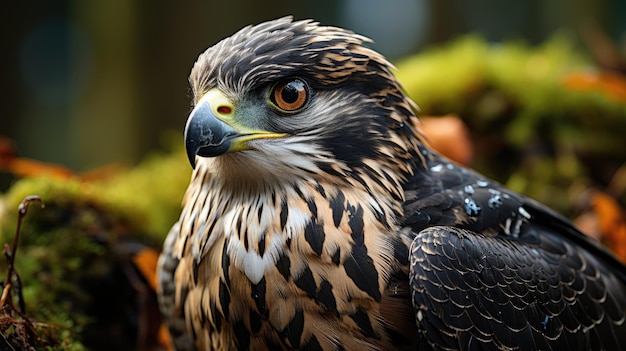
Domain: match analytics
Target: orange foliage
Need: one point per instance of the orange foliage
(449, 136)
(146, 263)
(611, 222)
(25, 167)
(612, 85)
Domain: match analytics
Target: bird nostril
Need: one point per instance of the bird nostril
(225, 110)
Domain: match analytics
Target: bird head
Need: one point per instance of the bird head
(292, 97)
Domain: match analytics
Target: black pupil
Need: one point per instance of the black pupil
(289, 94)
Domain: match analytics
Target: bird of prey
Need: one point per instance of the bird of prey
(316, 218)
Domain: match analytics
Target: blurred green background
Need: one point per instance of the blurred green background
(87, 83)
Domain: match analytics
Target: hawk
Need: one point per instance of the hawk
(317, 219)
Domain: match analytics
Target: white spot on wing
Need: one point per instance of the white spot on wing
(507, 226)
(523, 212)
(436, 168)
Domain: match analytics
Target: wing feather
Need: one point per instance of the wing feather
(501, 293)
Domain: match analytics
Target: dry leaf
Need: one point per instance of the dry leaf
(449, 136)
(612, 222)
(146, 262)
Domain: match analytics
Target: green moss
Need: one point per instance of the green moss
(83, 236)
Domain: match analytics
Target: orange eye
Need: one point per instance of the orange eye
(290, 95)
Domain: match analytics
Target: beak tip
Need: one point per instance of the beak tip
(191, 155)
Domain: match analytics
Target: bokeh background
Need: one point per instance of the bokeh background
(87, 83)
(84, 84)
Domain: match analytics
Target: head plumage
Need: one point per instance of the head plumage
(281, 48)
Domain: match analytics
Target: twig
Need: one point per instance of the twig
(21, 212)
(7, 343)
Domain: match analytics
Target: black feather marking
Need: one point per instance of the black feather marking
(258, 295)
(224, 297)
(298, 192)
(325, 296)
(255, 322)
(361, 318)
(284, 213)
(320, 189)
(336, 257)
(331, 171)
(240, 227)
(203, 317)
(355, 221)
(359, 266)
(194, 270)
(314, 235)
(312, 344)
(212, 225)
(312, 207)
(262, 244)
(380, 217)
(337, 206)
(400, 252)
(306, 282)
(284, 265)
(216, 317)
(293, 330)
(242, 335)
(259, 213)
(377, 180)
(245, 241)
(226, 265)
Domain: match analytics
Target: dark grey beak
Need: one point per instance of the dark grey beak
(205, 134)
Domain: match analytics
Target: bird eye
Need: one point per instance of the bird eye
(290, 95)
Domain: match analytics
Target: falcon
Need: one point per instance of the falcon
(317, 218)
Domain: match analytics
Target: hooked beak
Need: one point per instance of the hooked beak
(212, 130)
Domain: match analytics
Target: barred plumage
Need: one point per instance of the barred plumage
(316, 219)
